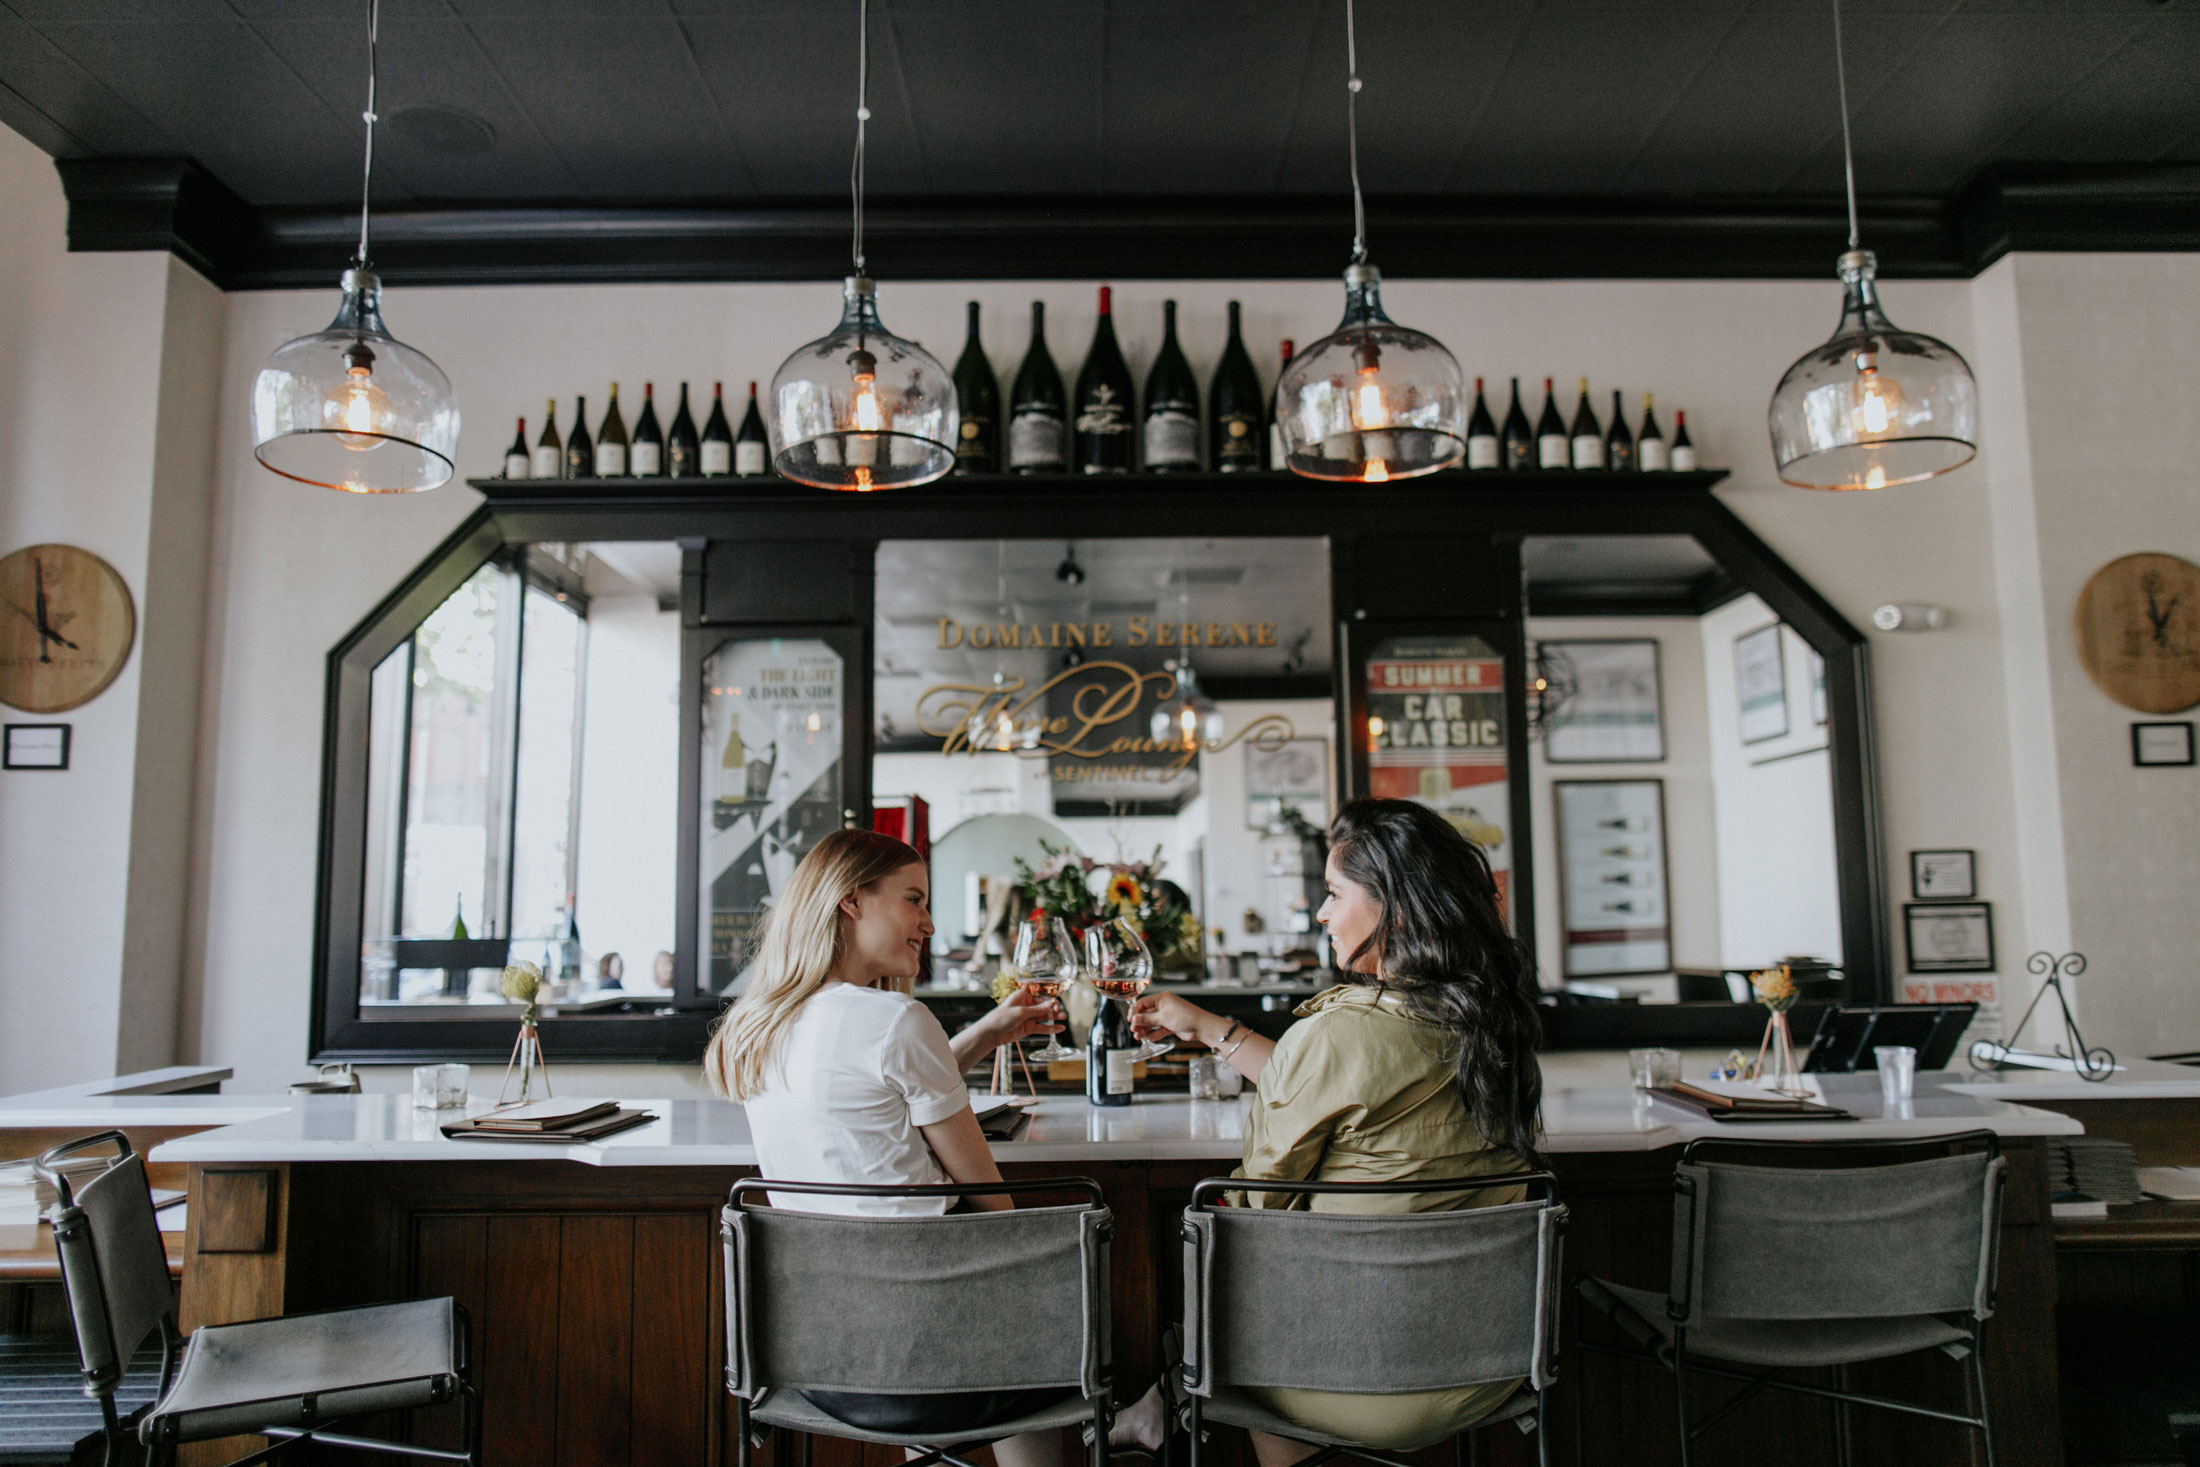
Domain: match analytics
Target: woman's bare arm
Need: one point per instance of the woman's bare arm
(963, 1154)
(1247, 1052)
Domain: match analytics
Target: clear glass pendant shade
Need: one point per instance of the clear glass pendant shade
(353, 408)
(1875, 405)
(1374, 400)
(862, 409)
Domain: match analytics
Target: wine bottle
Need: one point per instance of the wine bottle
(1684, 450)
(1649, 443)
(1236, 416)
(549, 451)
(1103, 405)
(717, 444)
(580, 454)
(1171, 427)
(978, 394)
(1550, 433)
(1619, 444)
(681, 444)
(1110, 1052)
(1277, 458)
(1518, 449)
(1038, 409)
(517, 462)
(1482, 452)
(752, 451)
(646, 456)
(611, 441)
(1588, 436)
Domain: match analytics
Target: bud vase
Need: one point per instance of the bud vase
(1776, 1067)
(527, 1066)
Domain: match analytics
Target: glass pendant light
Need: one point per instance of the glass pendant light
(1373, 400)
(352, 407)
(862, 409)
(1875, 405)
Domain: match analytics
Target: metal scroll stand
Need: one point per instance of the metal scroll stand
(2094, 1064)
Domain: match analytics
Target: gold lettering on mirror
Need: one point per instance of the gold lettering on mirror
(1009, 719)
(1140, 631)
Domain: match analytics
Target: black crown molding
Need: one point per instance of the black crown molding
(173, 204)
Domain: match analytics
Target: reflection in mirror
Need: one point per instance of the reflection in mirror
(1681, 778)
(1142, 725)
(512, 795)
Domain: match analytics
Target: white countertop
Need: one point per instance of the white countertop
(2137, 1079)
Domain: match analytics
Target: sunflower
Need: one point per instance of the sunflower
(1775, 988)
(1124, 892)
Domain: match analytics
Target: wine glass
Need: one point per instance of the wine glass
(1042, 961)
(1120, 965)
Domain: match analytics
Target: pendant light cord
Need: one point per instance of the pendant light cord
(1848, 150)
(1352, 131)
(366, 179)
(863, 116)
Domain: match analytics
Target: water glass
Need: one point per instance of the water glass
(1229, 1084)
(1654, 1068)
(439, 1087)
(1897, 1072)
(1206, 1077)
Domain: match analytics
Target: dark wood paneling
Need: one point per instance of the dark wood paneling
(519, 1340)
(599, 1348)
(235, 1211)
(778, 581)
(2162, 1132)
(672, 1392)
(452, 1254)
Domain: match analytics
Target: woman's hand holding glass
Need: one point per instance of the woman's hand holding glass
(1119, 965)
(1169, 1013)
(1043, 959)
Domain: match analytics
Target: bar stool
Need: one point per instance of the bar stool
(1398, 1302)
(1780, 1266)
(290, 1378)
(961, 1302)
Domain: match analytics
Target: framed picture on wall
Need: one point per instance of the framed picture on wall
(1613, 902)
(1293, 772)
(1615, 714)
(1943, 876)
(1949, 937)
(1760, 684)
(2161, 745)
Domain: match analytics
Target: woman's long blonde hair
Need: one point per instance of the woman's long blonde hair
(800, 949)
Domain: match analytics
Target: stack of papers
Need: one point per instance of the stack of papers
(2092, 1168)
(549, 1120)
(1735, 1100)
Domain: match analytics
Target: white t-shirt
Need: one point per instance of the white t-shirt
(857, 1073)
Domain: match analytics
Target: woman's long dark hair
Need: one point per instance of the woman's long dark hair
(1441, 945)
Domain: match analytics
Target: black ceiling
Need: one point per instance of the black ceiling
(700, 117)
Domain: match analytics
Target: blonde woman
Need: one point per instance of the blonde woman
(847, 1078)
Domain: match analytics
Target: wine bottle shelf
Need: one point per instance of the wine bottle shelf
(1226, 486)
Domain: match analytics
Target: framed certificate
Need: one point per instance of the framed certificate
(1615, 714)
(1943, 876)
(2161, 745)
(1949, 937)
(1613, 906)
(1760, 684)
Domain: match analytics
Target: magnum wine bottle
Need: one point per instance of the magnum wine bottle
(1110, 1052)
(978, 394)
(611, 441)
(1619, 444)
(1482, 446)
(549, 452)
(517, 462)
(646, 458)
(1237, 417)
(682, 447)
(580, 454)
(1684, 450)
(1277, 458)
(1103, 404)
(1518, 448)
(1649, 443)
(1588, 436)
(717, 444)
(1038, 409)
(1171, 428)
(1550, 433)
(752, 451)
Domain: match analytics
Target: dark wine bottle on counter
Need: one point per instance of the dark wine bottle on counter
(549, 451)
(1550, 433)
(1684, 450)
(1619, 444)
(1588, 434)
(752, 451)
(1038, 409)
(1237, 418)
(1171, 427)
(1103, 405)
(646, 457)
(1518, 447)
(580, 454)
(1277, 457)
(1110, 1052)
(1482, 447)
(611, 441)
(1649, 443)
(978, 395)
(682, 447)
(517, 461)
(717, 444)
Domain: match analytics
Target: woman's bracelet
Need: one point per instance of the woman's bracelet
(1235, 1026)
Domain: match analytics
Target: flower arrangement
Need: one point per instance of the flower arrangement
(1775, 988)
(1061, 885)
(522, 983)
(1775, 1068)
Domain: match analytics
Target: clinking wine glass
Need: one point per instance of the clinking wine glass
(1120, 965)
(1044, 960)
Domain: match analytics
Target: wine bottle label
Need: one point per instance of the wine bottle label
(1119, 1070)
(1588, 452)
(610, 460)
(1550, 452)
(1652, 454)
(549, 463)
(717, 458)
(516, 466)
(748, 459)
(971, 444)
(647, 458)
(1171, 438)
(578, 465)
(1684, 460)
(1482, 452)
(1102, 414)
(1034, 441)
(1237, 446)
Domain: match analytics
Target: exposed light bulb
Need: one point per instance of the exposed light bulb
(358, 409)
(1377, 472)
(1189, 722)
(866, 414)
(1876, 401)
(1367, 407)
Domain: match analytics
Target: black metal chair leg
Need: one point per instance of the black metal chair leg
(1578, 1387)
(1542, 1431)
(1985, 1413)
(1680, 1394)
(1842, 1448)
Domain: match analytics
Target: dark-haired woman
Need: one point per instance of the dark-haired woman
(1422, 1065)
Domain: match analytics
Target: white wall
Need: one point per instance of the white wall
(630, 785)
